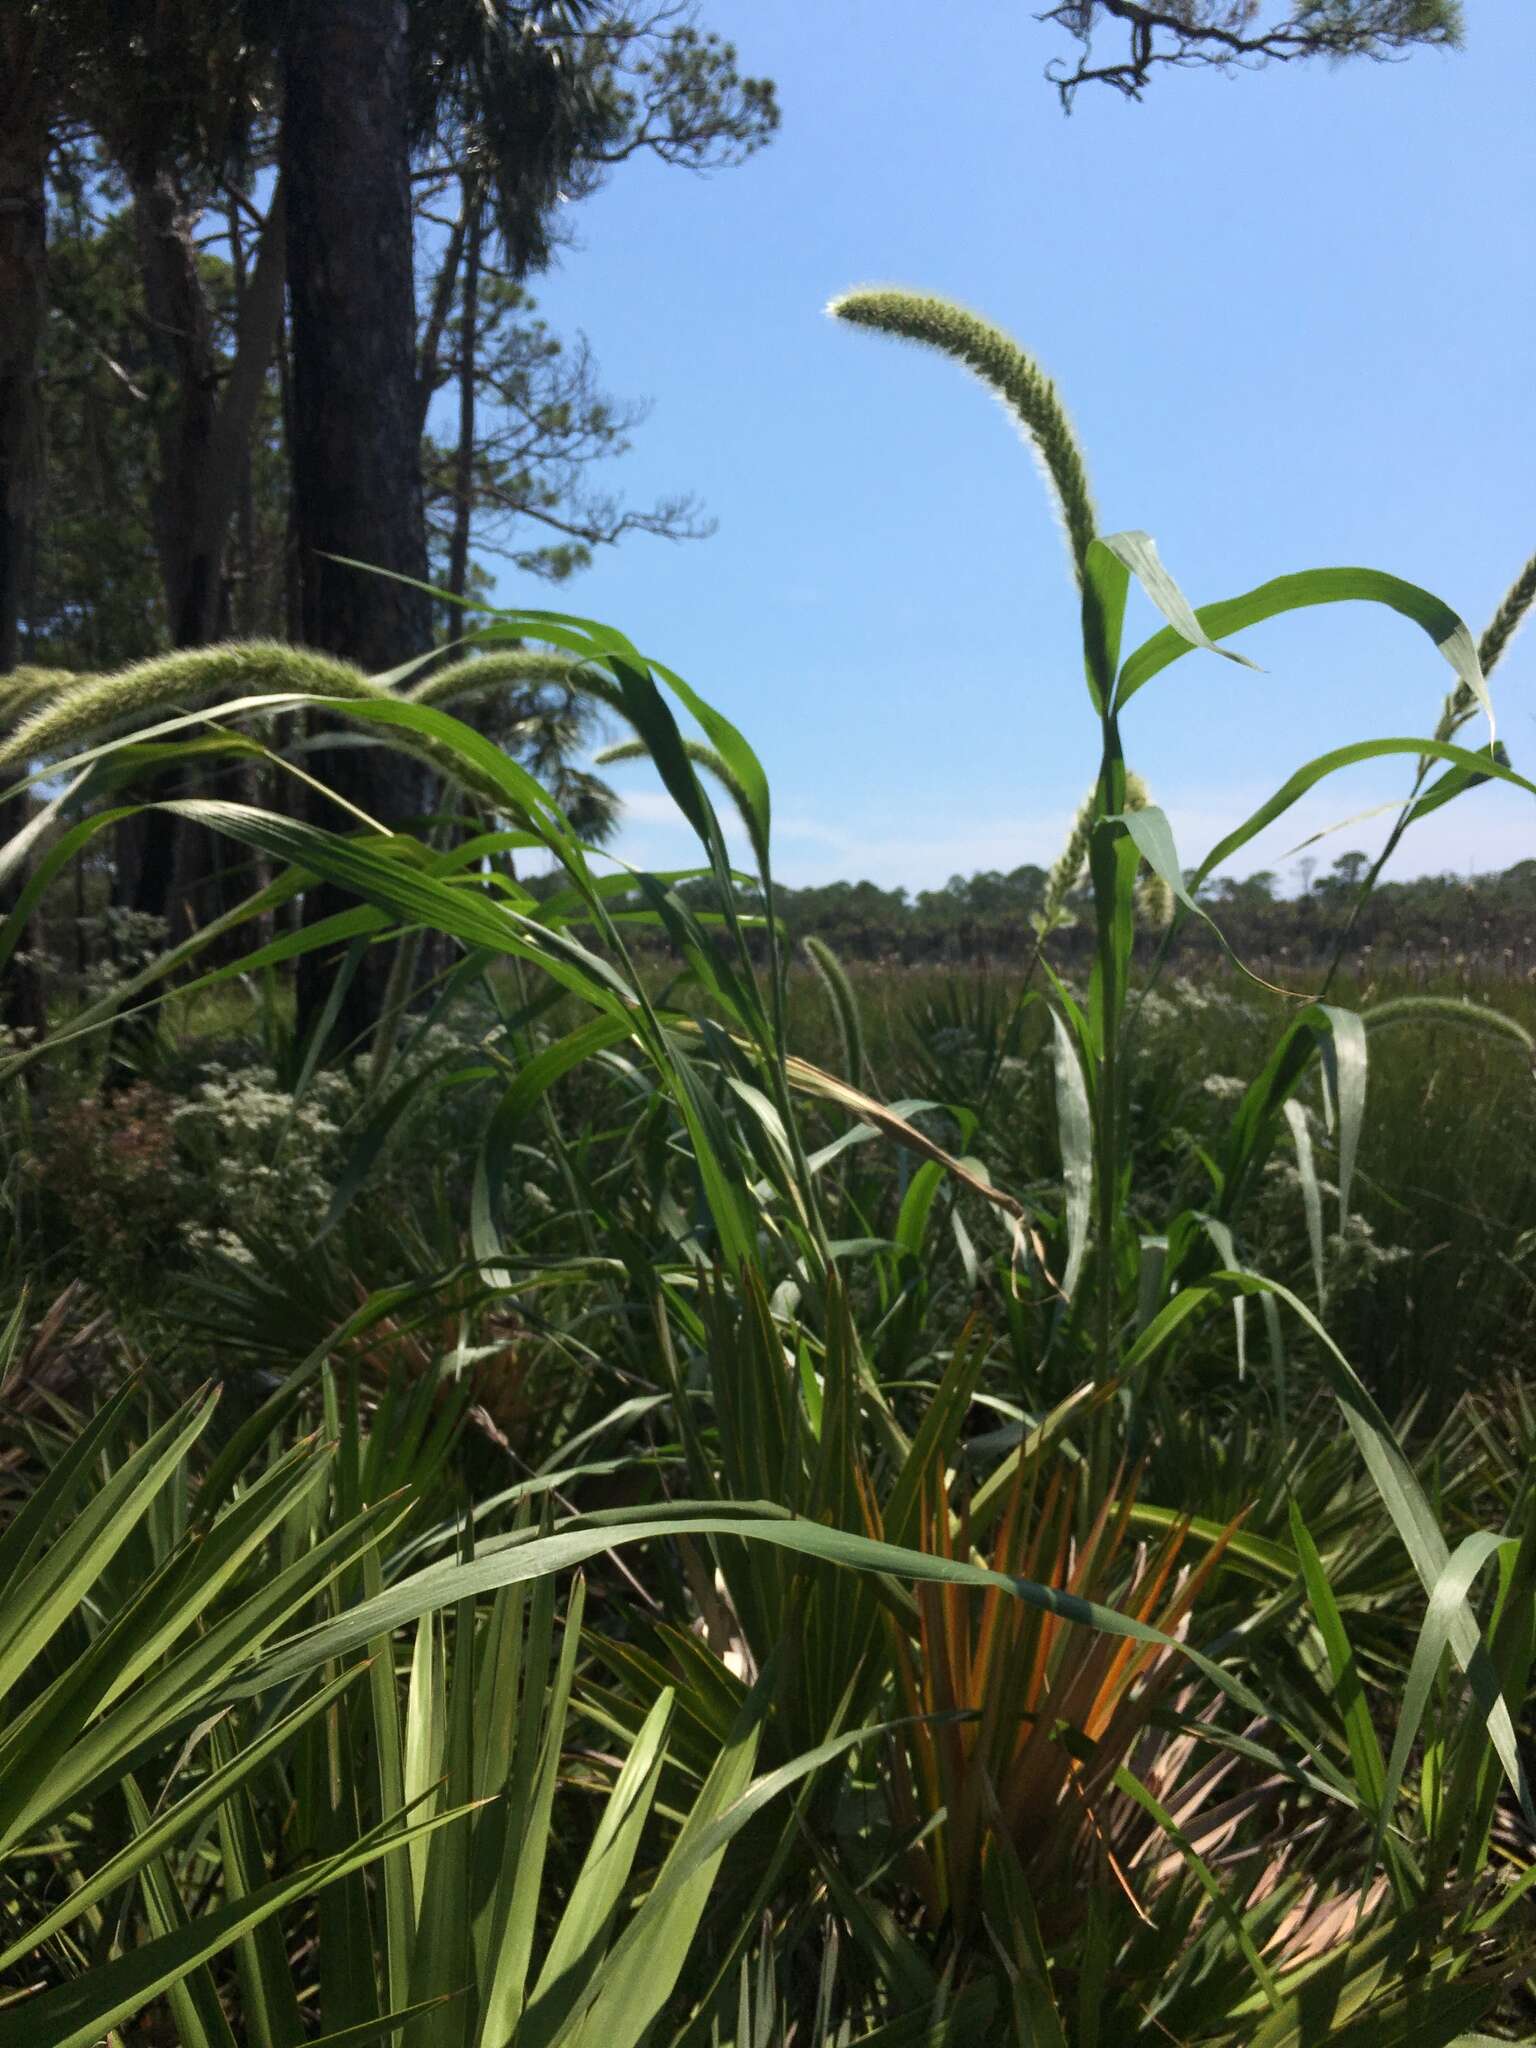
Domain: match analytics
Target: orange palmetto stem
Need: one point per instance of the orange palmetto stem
(1040, 1688)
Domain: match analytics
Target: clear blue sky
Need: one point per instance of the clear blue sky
(1292, 313)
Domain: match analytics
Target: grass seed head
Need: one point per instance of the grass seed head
(1015, 377)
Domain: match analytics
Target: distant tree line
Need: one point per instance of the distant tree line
(1438, 921)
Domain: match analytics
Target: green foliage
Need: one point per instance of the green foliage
(996, 1606)
(93, 597)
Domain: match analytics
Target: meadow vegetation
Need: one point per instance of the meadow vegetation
(687, 1490)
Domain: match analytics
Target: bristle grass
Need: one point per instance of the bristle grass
(649, 1292)
(1010, 373)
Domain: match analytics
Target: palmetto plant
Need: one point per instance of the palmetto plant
(1055, 1716)
(145, 1688)
(1074, 1680)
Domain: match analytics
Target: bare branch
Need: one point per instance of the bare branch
(1233, 34)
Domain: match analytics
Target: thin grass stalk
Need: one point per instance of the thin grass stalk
(771, 1044)
(1459, 707)
(1108, 869)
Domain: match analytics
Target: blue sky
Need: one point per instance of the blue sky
(1292, 314)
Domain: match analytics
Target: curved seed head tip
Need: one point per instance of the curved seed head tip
(87, 705)
(520, 668)
(700, 754)
(1009, 372)
(845, 1004)
(1508, 619)
(1070, 864)
(1154, 903)
(24, 689)
(479, 674)
(86, 708)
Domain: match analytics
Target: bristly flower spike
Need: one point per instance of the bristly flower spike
(1154, 898)
(1506, 622)
(1016, 378)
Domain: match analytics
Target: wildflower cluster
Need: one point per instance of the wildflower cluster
(267, 1162)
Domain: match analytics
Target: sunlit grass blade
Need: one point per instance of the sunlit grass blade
(1315, 771)
(175, 1820)
(81, 1552)
(1294, 593)
(1074, 1120)
(531, 1558)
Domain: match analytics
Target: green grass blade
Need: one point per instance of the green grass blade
(76, 2014)
(174, 1821)
(270, 2013)
(1074, 1124)
(31, 1525)
(1311, 1193)
(1315, 771)
(571, 1960)
(1349, 1694)
(1312, 587)
(1415, 1522)
(50, 1591)
(380, 2029)
(1447, 1608)
(1346, 1062)
(530, 1800)
(196, 2009)
(1138, 551)
(439, 1585)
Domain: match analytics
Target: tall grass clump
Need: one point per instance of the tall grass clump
(918, 1588)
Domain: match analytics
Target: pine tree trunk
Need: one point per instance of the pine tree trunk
(355, 451)
(437, 950)
(204, 448)
(23, 249)
(468, 368)
(181, 346)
